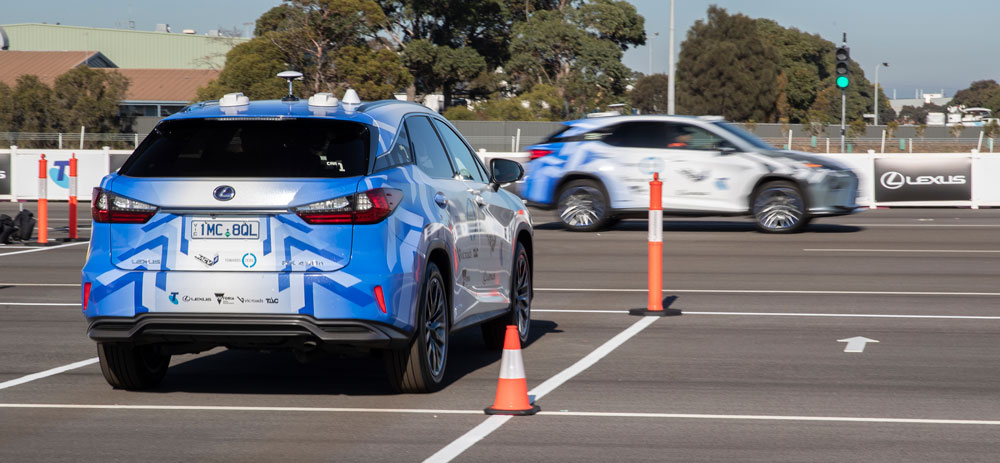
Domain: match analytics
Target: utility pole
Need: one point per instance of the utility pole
(670, 77)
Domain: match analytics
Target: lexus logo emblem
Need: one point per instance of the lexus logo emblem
(224, 193)
(894, 180)
(890, 180)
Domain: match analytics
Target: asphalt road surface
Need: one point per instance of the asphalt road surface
(755, 370)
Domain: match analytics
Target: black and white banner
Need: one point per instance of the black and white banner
(942, 179)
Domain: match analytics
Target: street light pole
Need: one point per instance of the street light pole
(876, 90)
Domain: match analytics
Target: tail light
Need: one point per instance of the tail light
(367, 207)
(107, 207)
(537, 153)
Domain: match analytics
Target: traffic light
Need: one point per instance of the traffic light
(840, 71)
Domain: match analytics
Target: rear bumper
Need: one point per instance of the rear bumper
(241, 330)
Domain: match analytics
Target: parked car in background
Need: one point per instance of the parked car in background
(596, 171)
(317, 225)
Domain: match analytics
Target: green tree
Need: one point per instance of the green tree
(857, 128)
(918, 114)
(6, 108)
(34, 106)
(374, 74)
(313, 32)
(726, 68)
(445, 44)
(890, 128)
(460, 113)
(649, 94)
(981, 93)
(441, 67)
(921, 129)
(577, 49)
(991, 130)
(90, 98)
(252, 68)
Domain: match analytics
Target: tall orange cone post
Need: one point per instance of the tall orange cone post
(72, 198)
(43, 201)
(512, 387)
(654, 306)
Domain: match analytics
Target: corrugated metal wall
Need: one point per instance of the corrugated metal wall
(126, 48)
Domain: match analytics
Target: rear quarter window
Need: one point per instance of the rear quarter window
(309, 148)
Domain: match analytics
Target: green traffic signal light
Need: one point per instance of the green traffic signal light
(843, 81)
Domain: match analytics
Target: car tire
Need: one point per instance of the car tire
(778, 207)
(420, 367)
(521, 290)
(126, 366)
(584, 206)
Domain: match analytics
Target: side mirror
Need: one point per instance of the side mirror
(726, 149)
(504, 171)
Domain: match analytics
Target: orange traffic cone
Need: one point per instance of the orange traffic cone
(512, 387)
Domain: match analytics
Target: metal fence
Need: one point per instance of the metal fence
(890, 145)
(511, 136)
(71, 140)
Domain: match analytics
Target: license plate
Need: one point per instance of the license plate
(225, 229)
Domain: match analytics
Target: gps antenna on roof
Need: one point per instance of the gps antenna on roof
(290, 76)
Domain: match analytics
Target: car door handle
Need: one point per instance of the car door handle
(441, 200)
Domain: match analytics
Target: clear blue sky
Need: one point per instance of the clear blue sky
(928, 44)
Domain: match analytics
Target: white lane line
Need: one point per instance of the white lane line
(424, 411)
(49, 248)
(794, 314)
(841, 419)
(42, 304)
(47, 373)
(463, 443)
(771, 291)
(42, 284)
(949, 251)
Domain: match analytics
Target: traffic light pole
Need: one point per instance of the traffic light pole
(843, 114)
(843, 101)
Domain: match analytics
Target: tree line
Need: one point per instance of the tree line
(522, 59)
(80, 97)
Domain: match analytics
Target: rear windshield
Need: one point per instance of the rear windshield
(252, 148)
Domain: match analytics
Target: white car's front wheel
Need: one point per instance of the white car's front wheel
(583, 206)
(778, 207)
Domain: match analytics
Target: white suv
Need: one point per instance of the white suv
(595, 171)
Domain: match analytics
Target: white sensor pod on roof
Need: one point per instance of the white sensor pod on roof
(234, 99)
(351, 97)
(323, 99)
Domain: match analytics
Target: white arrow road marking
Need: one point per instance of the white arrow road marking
(856, 344)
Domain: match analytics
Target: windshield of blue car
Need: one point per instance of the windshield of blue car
(308, 148)
(747, 137)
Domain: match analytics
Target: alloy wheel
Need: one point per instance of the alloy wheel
(435, 326)
(779, 208)
(582, 207)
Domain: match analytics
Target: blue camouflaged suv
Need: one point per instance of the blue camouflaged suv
(304, 225)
